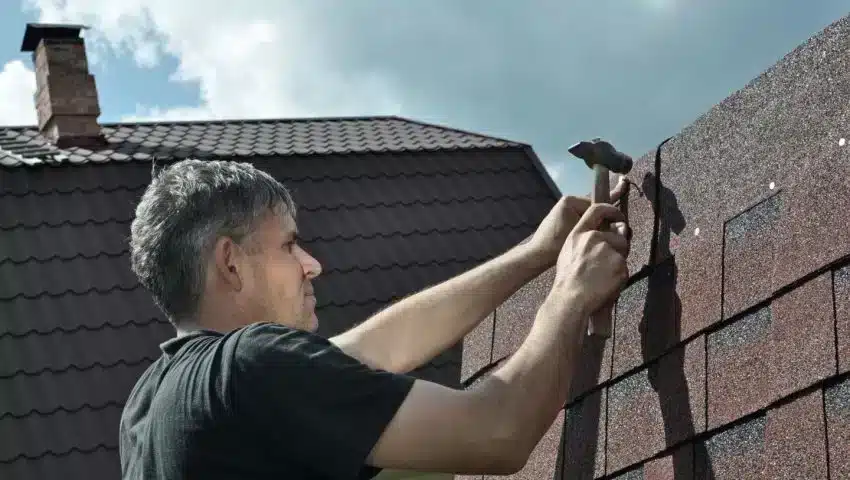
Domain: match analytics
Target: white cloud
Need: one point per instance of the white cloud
(258, 61)
(446, 62)
(17, 87)
(538, 72)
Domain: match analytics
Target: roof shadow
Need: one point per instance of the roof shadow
(578, 453)
(660, 327)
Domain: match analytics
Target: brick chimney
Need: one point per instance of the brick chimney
(66, 96)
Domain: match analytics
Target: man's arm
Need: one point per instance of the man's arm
(414, 330)
(493, 428)
(411, 332)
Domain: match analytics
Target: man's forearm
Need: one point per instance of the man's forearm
(526, 393)
(412, 331)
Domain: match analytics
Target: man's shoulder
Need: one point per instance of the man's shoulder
(270, 328)
(263, 342)
(145, 383)
(262, 336)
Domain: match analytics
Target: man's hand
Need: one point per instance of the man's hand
(592, 263)
(552, 232)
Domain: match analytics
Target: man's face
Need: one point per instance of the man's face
(281, 275)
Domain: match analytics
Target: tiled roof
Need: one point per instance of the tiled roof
(127, 142)
(388, 206)
(730, 356)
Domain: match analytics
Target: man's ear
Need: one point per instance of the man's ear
(229, 263)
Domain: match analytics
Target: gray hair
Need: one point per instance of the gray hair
(181, 215)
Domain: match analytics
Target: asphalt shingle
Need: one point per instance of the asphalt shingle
(745, 205)
(786, 442)
(639, 207)
(803, 337)
(675, 466)
(584, 438)
(515, 317)
(796, 439)
(748, 256)
(771, 353)
(841, 295)
(663, 405)
(689, 229)
(738, 360)
(593, 367)
(678, 465)
(737, 452)
(648, 318)
(837, 410)
(478, 348)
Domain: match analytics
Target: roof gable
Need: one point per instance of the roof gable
(388, 206)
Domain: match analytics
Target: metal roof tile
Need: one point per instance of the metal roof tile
(99, 462)
(301, 137)
(384, 226)
(58, 434)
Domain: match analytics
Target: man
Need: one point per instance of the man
(248, 390)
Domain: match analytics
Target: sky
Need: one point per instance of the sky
(546, 72)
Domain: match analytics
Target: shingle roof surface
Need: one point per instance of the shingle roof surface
(387, 206)
(127, 142)
(731, 339)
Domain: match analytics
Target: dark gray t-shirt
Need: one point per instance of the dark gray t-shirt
(262, 402)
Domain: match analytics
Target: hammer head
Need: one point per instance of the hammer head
(602, 153)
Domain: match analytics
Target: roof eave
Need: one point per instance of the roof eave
(541, 169)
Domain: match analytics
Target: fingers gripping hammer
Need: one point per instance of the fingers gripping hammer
(603, 158)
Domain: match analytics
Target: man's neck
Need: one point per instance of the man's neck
(209, 316)
(213, 319)
(186, 328)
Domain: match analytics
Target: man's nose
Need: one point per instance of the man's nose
(312, 267)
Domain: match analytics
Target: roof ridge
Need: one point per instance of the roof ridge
(461, 130)
(213, 121)
(244, 138)
(330, 118)
(225, 120)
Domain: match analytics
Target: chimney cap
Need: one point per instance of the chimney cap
(35, 32)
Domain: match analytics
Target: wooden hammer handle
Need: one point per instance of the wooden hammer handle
(601, 185)
(601, 321)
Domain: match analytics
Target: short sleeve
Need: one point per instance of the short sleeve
(320, 407)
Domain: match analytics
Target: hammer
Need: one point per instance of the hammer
(602, 158)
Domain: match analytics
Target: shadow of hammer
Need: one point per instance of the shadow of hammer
(602, 158)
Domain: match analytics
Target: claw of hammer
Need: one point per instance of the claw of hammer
(603, 158)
